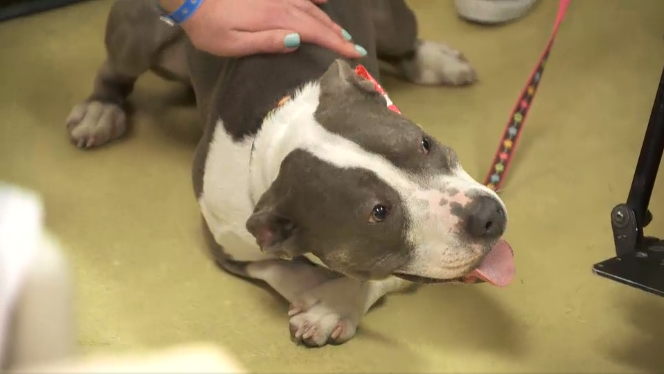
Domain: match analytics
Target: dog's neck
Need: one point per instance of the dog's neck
(284, 129)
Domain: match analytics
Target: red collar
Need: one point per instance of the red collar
(362, 72)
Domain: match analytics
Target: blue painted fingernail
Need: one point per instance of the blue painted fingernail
(346, 34)
(361, 50)
(292, 40)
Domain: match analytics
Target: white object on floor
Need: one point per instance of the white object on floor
(493, 11)
(36, 319)
(20, 228)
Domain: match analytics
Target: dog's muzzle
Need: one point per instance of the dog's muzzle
(497, 268)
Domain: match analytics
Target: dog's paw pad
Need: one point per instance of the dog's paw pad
(437, 64)
(94, 123)
(319, 325)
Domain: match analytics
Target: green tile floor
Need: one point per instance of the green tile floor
(128, 219)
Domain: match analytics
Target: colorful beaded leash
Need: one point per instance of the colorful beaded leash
(507, 146)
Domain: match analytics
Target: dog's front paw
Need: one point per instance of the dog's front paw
(94, 123)
(436, 64)
(319, 325)
(328, 314)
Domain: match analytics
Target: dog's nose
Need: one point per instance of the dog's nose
(486, 218)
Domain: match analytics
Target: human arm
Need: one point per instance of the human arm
(243, 27)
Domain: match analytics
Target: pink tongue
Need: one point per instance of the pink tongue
(497, 267)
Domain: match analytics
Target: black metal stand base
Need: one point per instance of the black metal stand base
(639, 260)
(642, 269)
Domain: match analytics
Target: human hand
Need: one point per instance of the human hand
(235, 28)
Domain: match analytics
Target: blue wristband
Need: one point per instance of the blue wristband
(183, 13)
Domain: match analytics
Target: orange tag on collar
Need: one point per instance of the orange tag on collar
(283, 100)
(362, 72)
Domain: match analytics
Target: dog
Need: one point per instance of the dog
(306, 180)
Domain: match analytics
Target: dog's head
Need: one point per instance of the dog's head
(371, 194)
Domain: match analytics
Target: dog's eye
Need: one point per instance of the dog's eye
(379, 213)
(426, 145)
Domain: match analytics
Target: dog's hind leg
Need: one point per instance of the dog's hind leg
(326, 306)
(136, 41)
(402, 54)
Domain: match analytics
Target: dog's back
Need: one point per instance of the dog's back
(245, 89)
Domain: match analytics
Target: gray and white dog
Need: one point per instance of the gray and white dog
(330, 198)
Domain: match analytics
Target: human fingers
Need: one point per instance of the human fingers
(244, 43)
(312, 31)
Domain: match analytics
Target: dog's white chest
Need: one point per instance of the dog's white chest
(225, 202)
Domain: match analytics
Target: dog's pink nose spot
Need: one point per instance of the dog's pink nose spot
(437, 203)
(459, 198)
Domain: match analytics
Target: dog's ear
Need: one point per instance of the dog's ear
(274, 231)
(340, 77)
